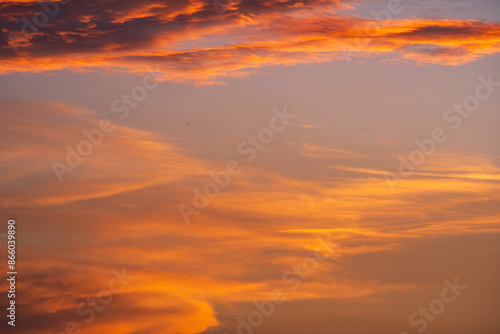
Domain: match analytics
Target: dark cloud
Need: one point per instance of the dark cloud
(196, 41)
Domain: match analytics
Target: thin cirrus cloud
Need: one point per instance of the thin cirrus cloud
(190, 42)
(316, 151)
(260, 229)
(42, 131)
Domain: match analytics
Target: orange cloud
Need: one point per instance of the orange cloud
(191, 43)
(56, 126)
(119, 209)
(315, 151)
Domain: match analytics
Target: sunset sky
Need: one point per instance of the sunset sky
(251, 166)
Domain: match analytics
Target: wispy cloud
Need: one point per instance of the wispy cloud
(236, 252)
(315, 151)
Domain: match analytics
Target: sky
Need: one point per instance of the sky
(241, 167)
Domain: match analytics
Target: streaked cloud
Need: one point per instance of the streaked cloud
(43, 130)
(260, 228)
(316, 151)
(323, 178)
(191, 43)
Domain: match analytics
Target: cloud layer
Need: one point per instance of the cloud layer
(196, 41)
(118, 209)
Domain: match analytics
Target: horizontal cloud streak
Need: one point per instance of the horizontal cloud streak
(190, 42)
(260, 229)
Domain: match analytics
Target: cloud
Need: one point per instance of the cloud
(316, 151)
(119, 209)
(41, 132)
(191, 43)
